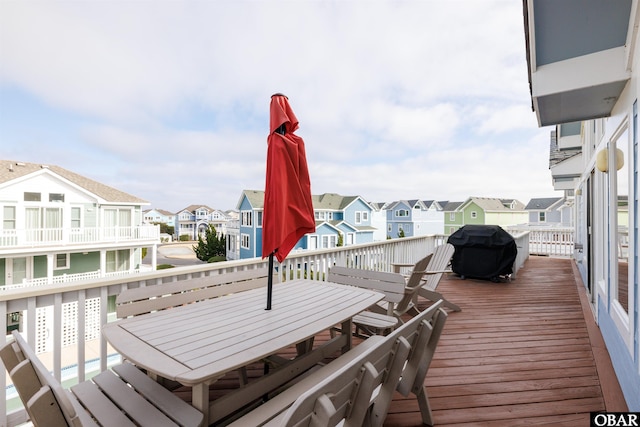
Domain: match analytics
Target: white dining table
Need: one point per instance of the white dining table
(198, 343)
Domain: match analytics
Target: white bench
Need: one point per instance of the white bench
(390, 284)
(358, 386)
(123, 396)
(136, 301)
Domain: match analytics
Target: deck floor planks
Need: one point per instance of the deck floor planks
(519, 353)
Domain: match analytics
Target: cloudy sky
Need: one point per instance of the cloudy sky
(169, 100)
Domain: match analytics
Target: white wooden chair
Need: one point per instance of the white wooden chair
(424, 278)
(390, 284)
(123, 396)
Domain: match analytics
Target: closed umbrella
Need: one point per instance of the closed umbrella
(288, 210)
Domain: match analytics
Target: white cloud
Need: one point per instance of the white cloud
(169, 100)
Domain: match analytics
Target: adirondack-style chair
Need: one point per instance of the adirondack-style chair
(390, 284)
(122, 396)
(423, 281)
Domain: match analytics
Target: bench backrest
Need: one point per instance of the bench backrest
(438, 265)
(361, 392)
(426, 273)
(136, 301)
(390, 284)
(44, 399)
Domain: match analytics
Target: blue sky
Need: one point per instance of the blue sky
(169, 101)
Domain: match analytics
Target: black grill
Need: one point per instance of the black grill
(483, 252)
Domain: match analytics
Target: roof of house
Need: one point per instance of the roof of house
(451, 206)
(193, 208)
(10, 170)
(160, 211)
(557, 155)
(328, 201)
(542, 203)
(495, 204)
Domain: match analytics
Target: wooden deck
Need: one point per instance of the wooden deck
(525, 352)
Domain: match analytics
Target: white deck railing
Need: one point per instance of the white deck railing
(550, 241)
(10, 239)
(96, 355)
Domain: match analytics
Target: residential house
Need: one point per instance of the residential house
(340, 219)
(379, 220)
(157, 216)
(550, 212)
(232, 235)
(583, 68)
(193, 220)
(160, 216)
(452, 218)
(414, 218)
(485, 210)
(58, 227)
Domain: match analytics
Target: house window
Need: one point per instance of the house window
(247, 219)
(452, 216)
(259, 219)
(31, 197)
(389, 228)
(365, 216)
(56, 197)
(62, 261)
(358, 217)
(76, 217)
(474, 214)
(329, 242)
(330, 216)
(9, 218)
(117, 260)
(402, 212)
(542, 217)
(244, 241)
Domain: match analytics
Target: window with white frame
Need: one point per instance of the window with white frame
(365, 216)
(9, 218)
(402, 212)
(56, 197)
(329, 241)
(32, 197)
(542, 216)
(62, 262)
(76, 217)
(474, 214)
(358, 217)
(244, 241)
(246, 218)
(452, 216)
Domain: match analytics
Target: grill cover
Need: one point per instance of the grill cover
(483, 252)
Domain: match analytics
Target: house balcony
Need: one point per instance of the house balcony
(18, 241)
(518, 353)
(578, 56)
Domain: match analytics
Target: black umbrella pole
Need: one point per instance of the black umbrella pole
(270, 281)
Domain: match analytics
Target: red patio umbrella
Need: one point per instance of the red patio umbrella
(288, 210)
